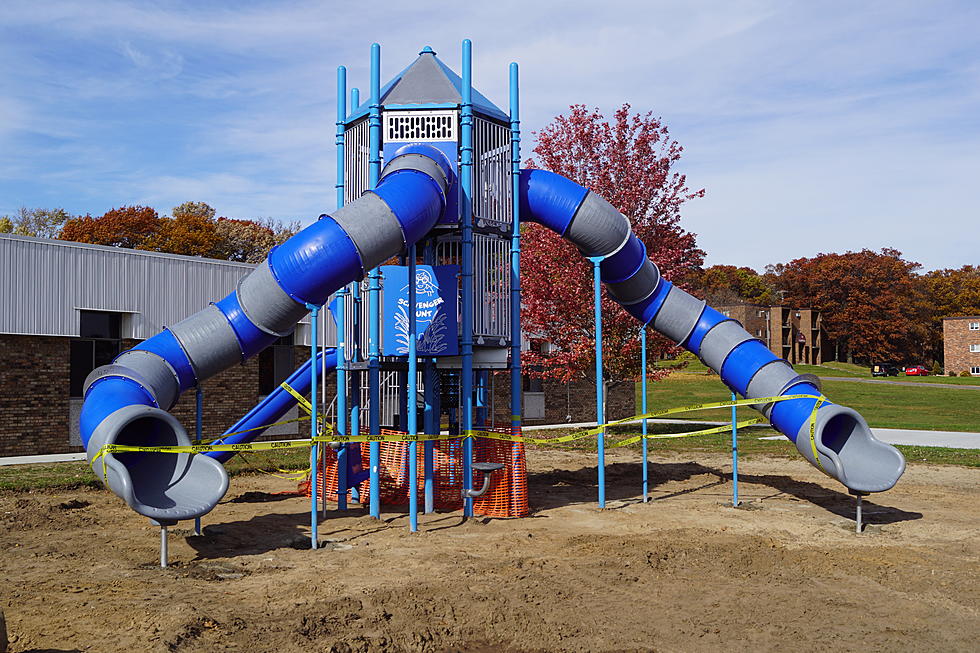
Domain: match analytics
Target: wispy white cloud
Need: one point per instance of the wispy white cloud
(813, 126)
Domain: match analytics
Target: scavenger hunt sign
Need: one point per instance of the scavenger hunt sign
(436, 321)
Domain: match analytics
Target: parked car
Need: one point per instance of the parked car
(917, 370)
(884, 369)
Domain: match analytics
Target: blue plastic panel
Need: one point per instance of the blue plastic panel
(416, 200)
(709, 318)
(451, 151)
(789, 416)
(743, 362)
(623, 264)
(316, 262)
(251, 339)
(645, 310)
(165, 345)
(549, 199)
(106, 396)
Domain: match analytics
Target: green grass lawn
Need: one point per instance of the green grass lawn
(883, 405)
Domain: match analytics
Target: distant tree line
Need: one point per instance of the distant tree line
(876, 305)
(192, 229)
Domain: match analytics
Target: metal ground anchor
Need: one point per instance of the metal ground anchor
(859, 496)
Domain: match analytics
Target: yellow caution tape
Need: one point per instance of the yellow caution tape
(490, 435)
(813, 428)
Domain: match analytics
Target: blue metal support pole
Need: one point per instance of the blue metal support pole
(413, 391)
(516, 389)
(466, 206)
(198, 434)
(314, 450)
(341, 307)
(643, 410)
(599, 394)
(355, 99)
(354, 379)
(734, 452)
(430, 422)
(374, 293)
(341, 117)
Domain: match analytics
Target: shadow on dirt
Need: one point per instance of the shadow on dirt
(564, 487)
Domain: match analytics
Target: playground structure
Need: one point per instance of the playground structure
(428, 168)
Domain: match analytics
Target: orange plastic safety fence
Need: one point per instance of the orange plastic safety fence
(507, 496)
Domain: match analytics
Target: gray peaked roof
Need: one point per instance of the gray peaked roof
(429, 81)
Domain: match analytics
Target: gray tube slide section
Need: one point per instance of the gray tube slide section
(126, 403)
(843, 446)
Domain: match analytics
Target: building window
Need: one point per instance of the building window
(762, 314)
(974, 349)
(975, 370)
(98, 344)
(974, 326)
(276, 363)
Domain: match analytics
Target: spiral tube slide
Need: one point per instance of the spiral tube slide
(842, 446)
(127, 402)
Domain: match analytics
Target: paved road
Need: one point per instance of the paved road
(914, 384)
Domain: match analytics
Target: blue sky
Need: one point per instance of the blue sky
(813, 126)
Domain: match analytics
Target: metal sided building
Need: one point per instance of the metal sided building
(69, 307)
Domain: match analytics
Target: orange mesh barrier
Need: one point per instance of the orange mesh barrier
(507, 496)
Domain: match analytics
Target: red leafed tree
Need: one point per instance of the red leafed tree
(871, 302)
(127, 226)
(629, 161)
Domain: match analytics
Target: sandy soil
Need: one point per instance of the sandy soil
(685, 572)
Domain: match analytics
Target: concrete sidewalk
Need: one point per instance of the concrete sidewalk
(41, 460)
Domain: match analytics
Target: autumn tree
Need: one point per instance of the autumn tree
(948, 293)
(629, 161)
(870, 301)
(190, 231)
(37, 222)
(127, 226)
(724, 285)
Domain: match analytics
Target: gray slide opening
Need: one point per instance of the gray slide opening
(165, 487)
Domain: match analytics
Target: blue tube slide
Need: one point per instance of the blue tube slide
(272, 407)
(127, 401)
(841, 445)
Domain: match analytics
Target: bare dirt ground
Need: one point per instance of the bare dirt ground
(685, 572)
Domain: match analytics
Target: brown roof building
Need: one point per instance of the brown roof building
(795, 334)
(961, 344)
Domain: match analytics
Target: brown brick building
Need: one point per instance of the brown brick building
(961, 344)
(66, 308)
(795, 334)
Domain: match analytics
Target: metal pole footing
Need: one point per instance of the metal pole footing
(163, 547)
(859, 496)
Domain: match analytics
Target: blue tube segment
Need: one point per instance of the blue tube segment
(272, 408)
(106, 396)
(625, 263)
(743, 362)
(251, 339)
(433, 153)
(549, 199)
(316, 261)
(416, 200)
(165, 345)
(789, 416)
(709, 319)
(646, 309)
